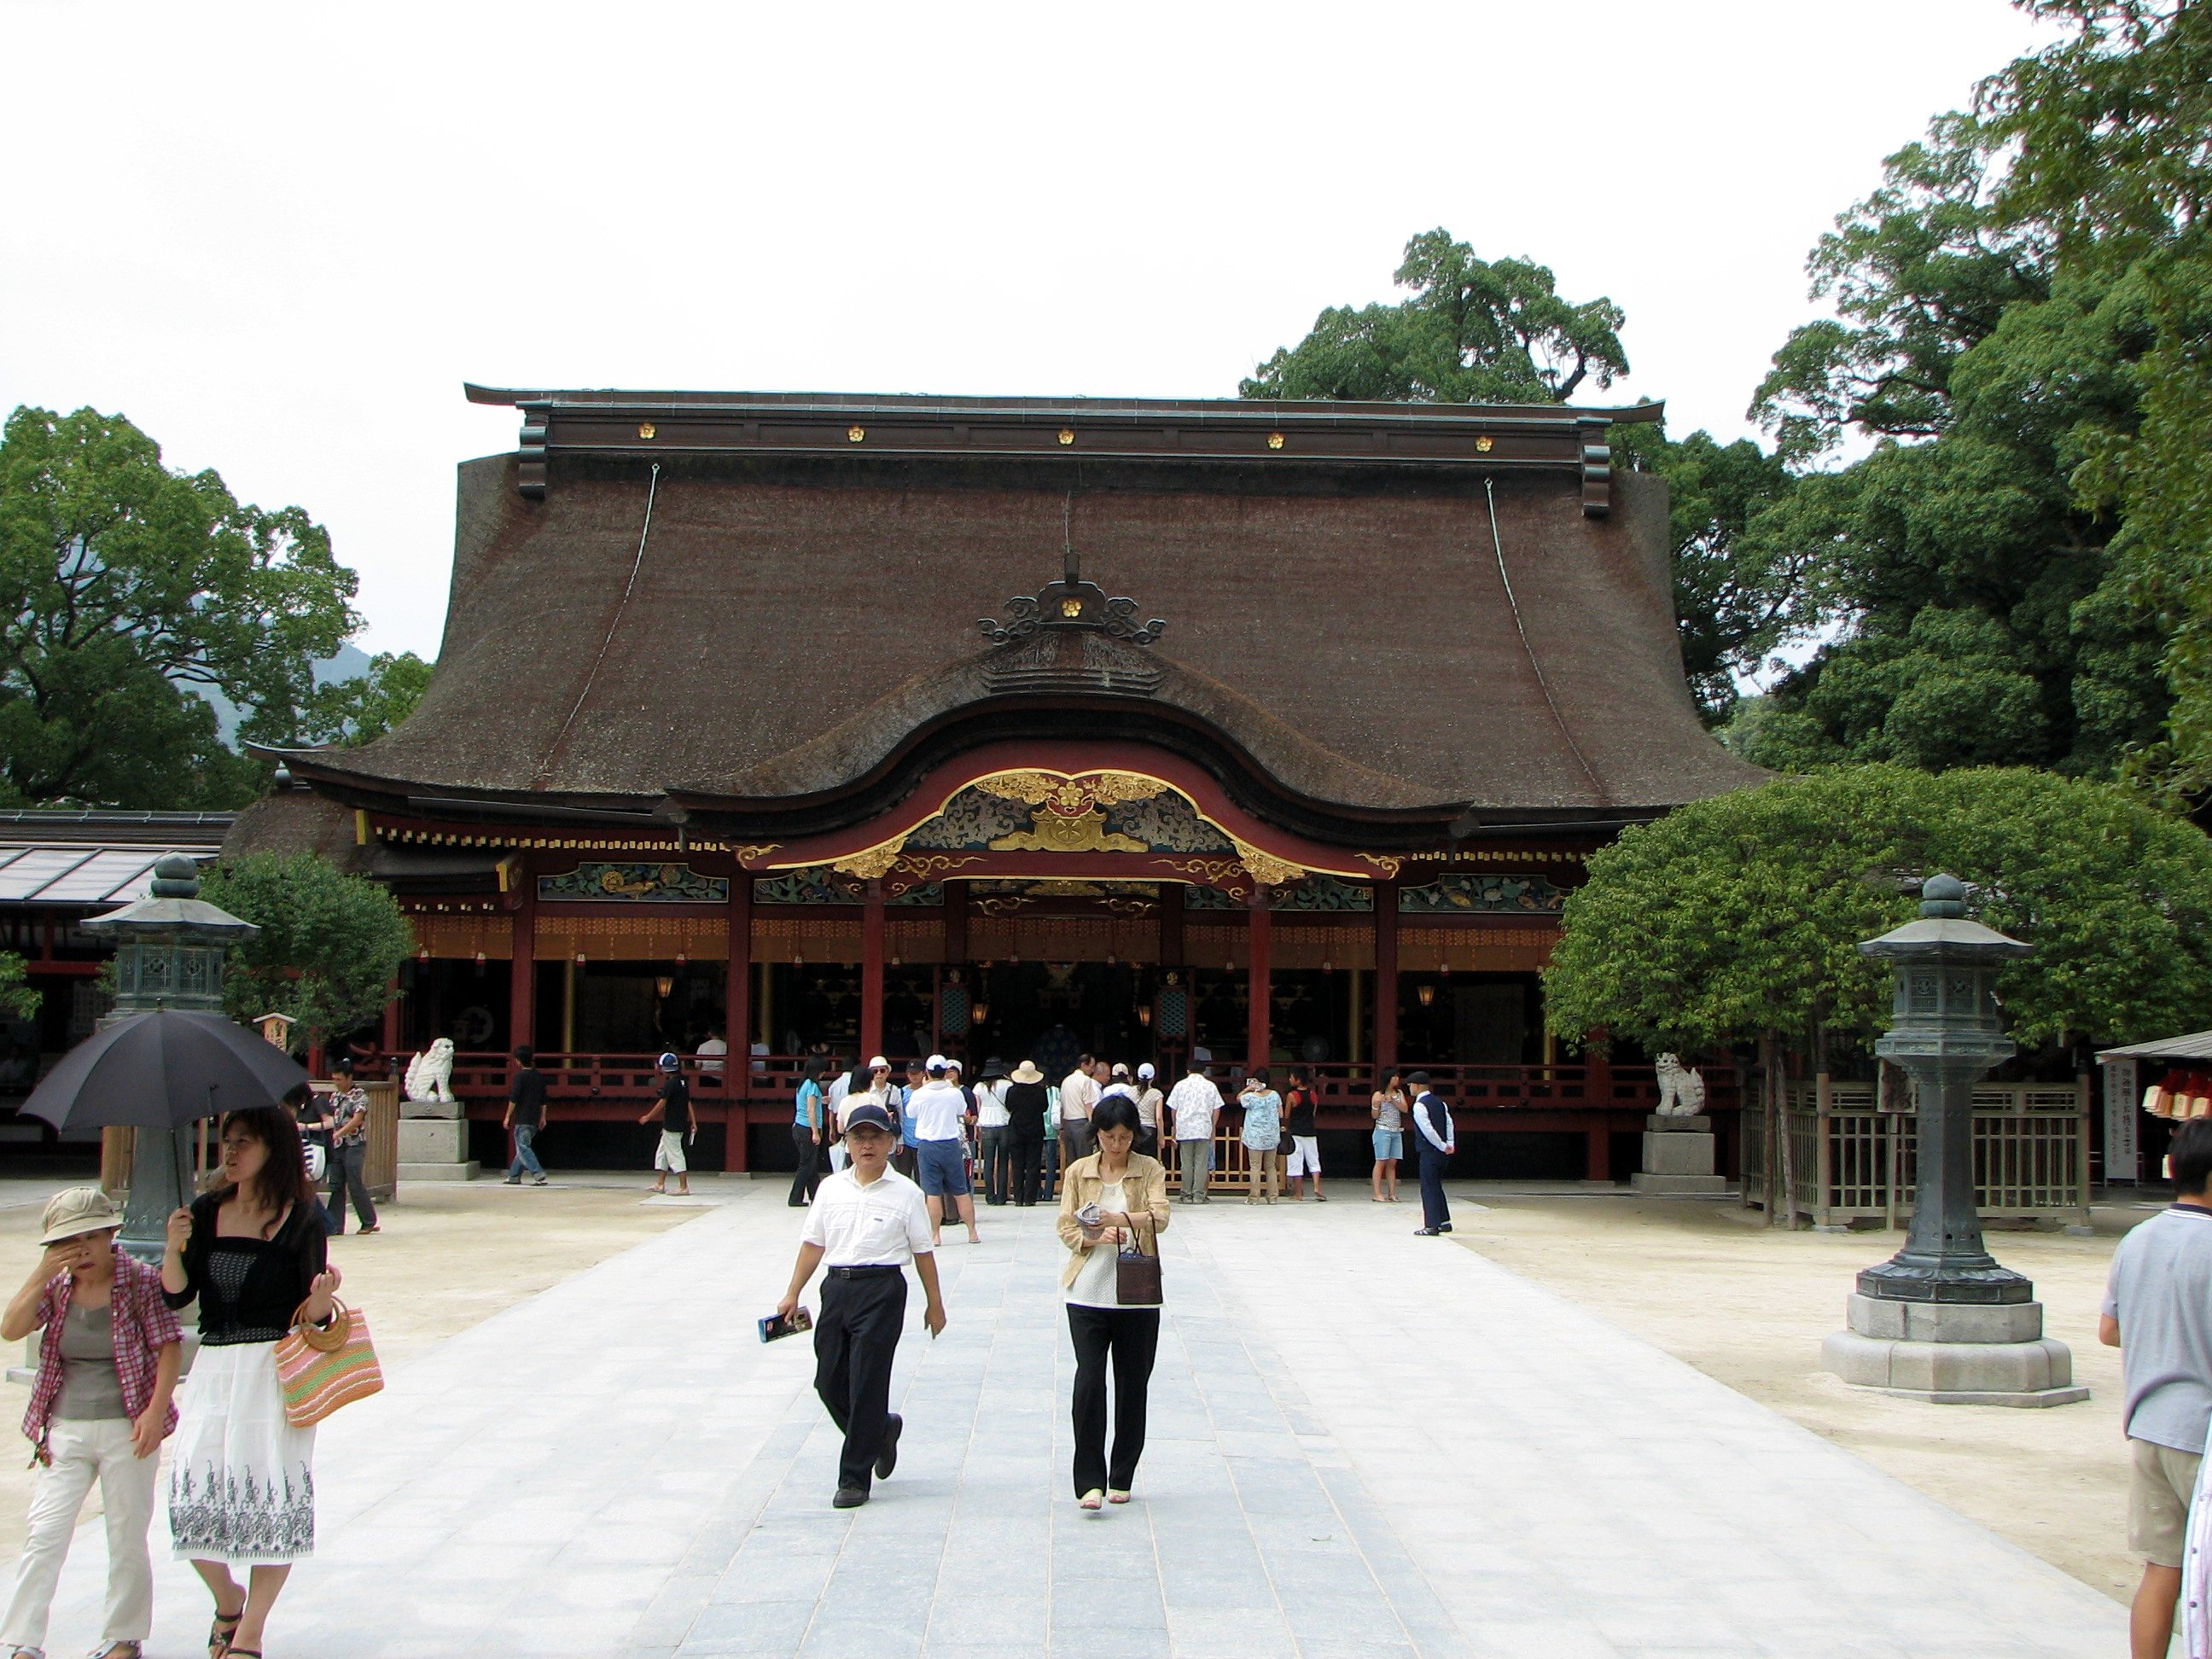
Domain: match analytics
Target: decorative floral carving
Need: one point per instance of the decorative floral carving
(871, 863)
(1382, 861)
(633, 883)
(816, 884)
(1052, 831)
(1483, 893)
(1266, 866)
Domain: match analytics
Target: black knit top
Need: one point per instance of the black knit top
(249, 1288)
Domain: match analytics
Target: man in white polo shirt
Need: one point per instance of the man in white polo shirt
(867, 1222)
(1078, 1093)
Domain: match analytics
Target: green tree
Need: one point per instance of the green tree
(329, 945)
(17, 999)
(359, 710)
(1738, 919)
(124, 584)
(2110, 127)
(1471, 331)
(1960, 552)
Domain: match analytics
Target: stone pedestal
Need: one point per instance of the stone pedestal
(1677, 1157)
(434, 1149)
(1953, 1354)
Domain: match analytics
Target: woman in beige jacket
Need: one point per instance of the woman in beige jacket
(1130, 1193)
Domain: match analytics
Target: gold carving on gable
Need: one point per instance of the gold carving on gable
(1055, 832)
(1266, 867)
(1070, 797)
(872, 863)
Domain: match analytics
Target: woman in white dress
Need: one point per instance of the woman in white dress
(241, 1478)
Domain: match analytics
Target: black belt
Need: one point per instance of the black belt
(875, 1270)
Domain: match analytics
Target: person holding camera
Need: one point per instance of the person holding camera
(100, 1410)
(1114, 1197)
(1262, 1134)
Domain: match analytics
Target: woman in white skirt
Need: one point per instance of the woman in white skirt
(241, 1478)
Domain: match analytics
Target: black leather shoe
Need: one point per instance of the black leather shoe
(1443, 1226)
(849, 1497)
(887, 1459)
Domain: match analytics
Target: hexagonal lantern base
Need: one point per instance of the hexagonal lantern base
(1953, 1355)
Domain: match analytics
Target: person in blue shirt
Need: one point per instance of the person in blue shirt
(810, 1120)
(1434, 1140)
(1262, 1135)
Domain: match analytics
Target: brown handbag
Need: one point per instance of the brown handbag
(1137, 1271)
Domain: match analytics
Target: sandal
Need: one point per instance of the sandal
(1091, 1500)
(219, 1639)
(120, 1651)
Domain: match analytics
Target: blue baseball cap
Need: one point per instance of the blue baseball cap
(669, 1063)
(868, 1115)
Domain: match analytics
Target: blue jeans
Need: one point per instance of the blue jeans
(525, 1157)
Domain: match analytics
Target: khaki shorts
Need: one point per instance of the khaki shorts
(2157, 1501)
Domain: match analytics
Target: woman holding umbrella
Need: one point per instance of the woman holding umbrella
(242, 1481)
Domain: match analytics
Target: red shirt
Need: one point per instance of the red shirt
(143, 1326)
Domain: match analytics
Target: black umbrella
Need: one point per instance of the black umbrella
(162, 1071)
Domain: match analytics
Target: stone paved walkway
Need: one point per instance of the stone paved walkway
(1362, 1443)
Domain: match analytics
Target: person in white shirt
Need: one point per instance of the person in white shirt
(1436, 1143)
(867, 1223)
(991, 1120)
(1078, 1093)
(939, 1112)
(711, 1053)
(840, 1086)
(1194, 1106)
(1149, 1099)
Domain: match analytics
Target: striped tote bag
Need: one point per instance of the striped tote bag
(320, 1370)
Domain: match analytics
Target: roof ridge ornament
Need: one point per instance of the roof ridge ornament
(1070, 603)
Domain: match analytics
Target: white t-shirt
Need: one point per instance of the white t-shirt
(1095, 1284)
(1078, 1092)
(710, 1056)
(883, 1223)
(938, 1109)
(991, 1111)
(1193, 1101)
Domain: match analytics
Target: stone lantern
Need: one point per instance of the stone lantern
(170, 947)
(1941, 1321)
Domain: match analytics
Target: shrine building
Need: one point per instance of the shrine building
(1013, 728)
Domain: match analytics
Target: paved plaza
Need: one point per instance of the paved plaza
(1362, 1443)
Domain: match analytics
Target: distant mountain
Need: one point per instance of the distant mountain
(348, 662)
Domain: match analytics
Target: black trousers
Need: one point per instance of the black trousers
(1435, 1212)
(998, 1165)
(349, 1177)
(808, 1176)
(1024, 1155)
(1129, 1337)
(854, 1341)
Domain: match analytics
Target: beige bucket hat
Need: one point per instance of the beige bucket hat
(1027, 1072)
(76, 1210)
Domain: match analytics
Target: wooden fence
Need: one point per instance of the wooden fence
(1851, 1160)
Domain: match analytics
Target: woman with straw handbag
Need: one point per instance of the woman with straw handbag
(1112, 1207)
(241, 1475)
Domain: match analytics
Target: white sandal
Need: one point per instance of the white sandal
(1091, 1500)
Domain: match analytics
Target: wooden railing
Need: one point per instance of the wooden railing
(1850, 1160)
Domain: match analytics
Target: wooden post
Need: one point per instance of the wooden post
(1597, 1069)
(1597, 1155)
(737, 1019)
(522, 986)
(1172, 914)
(1354, 1049)
(1824, 1156)
(1260, 1036)
(956, 929)
(1386, 976)
(872, 973)
(391, 1034)
(2084, 1097)
(568, 1004)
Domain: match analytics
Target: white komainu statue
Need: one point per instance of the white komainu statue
(1681, 1090)
(430, 1076)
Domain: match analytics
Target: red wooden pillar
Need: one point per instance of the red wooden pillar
(392, 1033)
(1172, 898)
(1597, 1069)
(872, 973)
(1386, 977)
(522, 964)
(1597, 1161)
(1259, 1036)
(956, 928)
(738, 1020)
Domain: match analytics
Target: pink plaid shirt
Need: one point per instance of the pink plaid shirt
(143, 1326)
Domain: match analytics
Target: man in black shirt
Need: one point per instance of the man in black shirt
(671, 1109)
(525, 1116)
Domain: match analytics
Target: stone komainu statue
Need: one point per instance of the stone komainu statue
(430, 1076)
(1681, 1090)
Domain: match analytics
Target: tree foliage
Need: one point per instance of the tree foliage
(1738, 917)
(17, 999)
(353, 712)
(1471, 331)
(329, 945)
(123, 585)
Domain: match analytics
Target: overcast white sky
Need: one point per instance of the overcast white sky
(280, 237)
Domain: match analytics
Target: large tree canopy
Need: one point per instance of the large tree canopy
(329, 945)
(1740, 917)
(124, 584)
